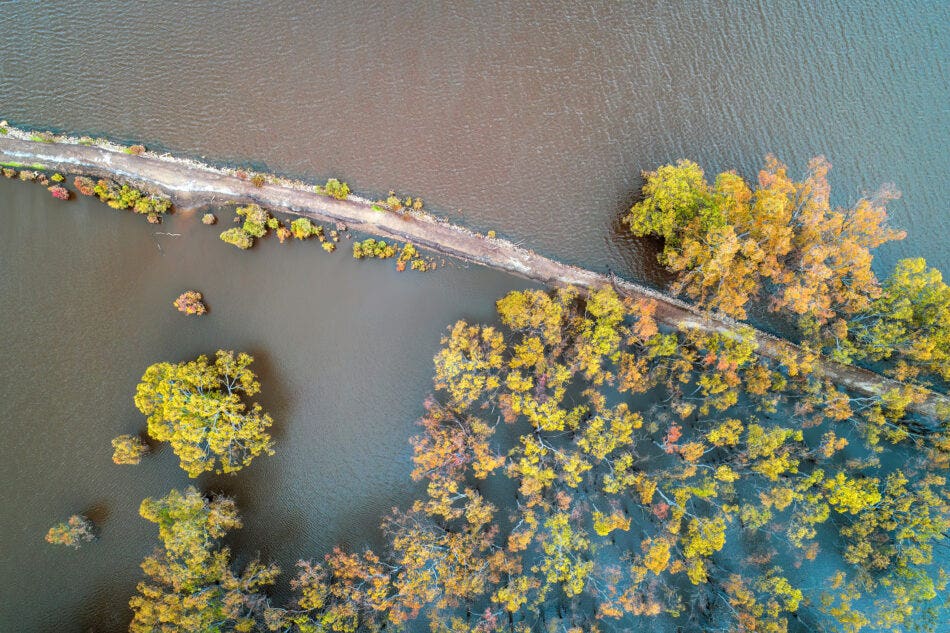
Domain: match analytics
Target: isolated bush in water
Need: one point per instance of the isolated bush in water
(73, 533)
(190, 302)
(238, 237)
(128, 449)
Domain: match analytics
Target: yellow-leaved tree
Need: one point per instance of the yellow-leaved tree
(191, 586)
(729, 242)
(198, 407)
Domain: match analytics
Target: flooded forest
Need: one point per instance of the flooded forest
(474, 318)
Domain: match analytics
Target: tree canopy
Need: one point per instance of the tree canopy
(191, 586)
(75, 531)
(198, 407)
(909, 322)
(660, 480)
(731, 243)
(586, 469)
(128, 449)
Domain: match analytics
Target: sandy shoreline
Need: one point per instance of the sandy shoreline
(193, 184)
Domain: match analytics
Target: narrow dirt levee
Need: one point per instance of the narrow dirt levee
(190, 183)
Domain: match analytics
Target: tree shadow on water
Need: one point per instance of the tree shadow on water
(98, 513)
(106, 610)
(273, 397)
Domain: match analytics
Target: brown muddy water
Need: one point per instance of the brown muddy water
(343, 348)
(533, 119)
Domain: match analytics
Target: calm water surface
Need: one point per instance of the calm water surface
(533, 119)
(343, 349)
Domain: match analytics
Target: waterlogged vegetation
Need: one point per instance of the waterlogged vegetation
(587, 469)
(399, 205)
(237, 237)
(128, 450)
(408, 255)
(257, 222)
(124, 197)
(200, 409)
(75, 531)
(190, 302)
(190, 585)
(730, 243)
(37, 175)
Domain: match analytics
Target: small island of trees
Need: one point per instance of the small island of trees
(73, 532)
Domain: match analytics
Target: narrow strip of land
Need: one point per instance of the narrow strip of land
(190, 183)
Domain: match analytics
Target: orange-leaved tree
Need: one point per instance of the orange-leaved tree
(730, 242)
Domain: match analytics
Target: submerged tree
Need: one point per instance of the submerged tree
(72, 533)
(128, 449)
(255, 220)
(238, 237)
(663, 479)
(126, 197)
(302, 228)
(198, 407)
(191, 586)
(729, 242)
(190, 302)
(910, 321)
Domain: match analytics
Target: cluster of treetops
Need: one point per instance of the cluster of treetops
(115, 195)
(36, 174)
(730, 243)
(589, 470)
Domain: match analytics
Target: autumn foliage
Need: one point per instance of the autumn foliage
(662, 480)
(73, 533)
(190, 302)
(585, 469)
(59, 192)
(190, 582)
(731, 243)
(909, 324)
(126, 197)
(128, 449)
(199, 408)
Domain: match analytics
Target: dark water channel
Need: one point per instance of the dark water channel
(533, 119)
